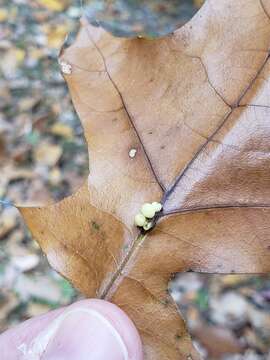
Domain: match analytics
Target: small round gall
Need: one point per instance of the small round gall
(157, 206)
(148, 210)
(147, 226)
(140, 220)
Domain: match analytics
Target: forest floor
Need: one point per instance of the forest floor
(44, 158)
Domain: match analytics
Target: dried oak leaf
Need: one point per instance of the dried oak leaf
(196, 107)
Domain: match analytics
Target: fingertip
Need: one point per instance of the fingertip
(73, 331)
(120, 322)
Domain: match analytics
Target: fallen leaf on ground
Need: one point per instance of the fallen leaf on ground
(8, 302)
(3, 14)
(193, 110)
(234, 280)
(229, 310)
(36, 309)
(254, 341)
(8, 222)
(25, 263)
(48, 154)
(217, 340)
(55, 34)
(10, 61)
(62, 130)
(55, 176)
(54, 5)
(37, 287)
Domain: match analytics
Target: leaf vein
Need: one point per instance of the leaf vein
(128, 114)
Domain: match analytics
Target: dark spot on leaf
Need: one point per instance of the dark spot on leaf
(165, 302)
(95, 225)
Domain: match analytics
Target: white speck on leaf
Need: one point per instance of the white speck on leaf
(65, 67)
(132, 153)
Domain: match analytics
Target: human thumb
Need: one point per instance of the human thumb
(90, 329)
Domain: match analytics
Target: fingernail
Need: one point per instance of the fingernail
(83, 334)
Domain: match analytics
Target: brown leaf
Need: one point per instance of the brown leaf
(195, 106)
(217, 340)
(48, 154)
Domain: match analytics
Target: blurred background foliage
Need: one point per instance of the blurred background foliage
(44, 158)
(43, 154)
